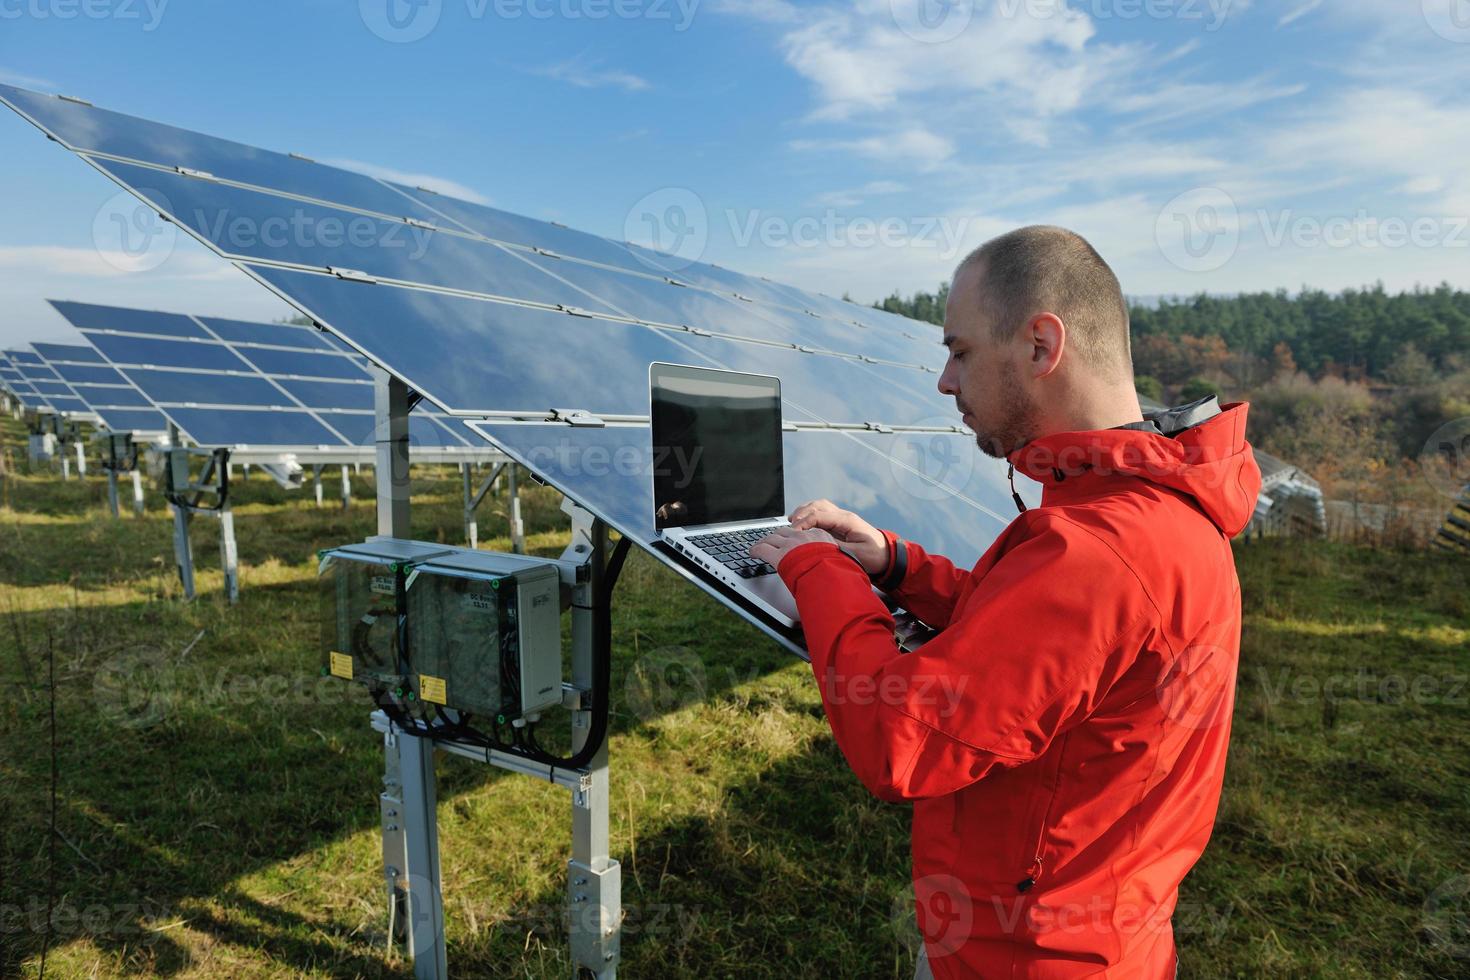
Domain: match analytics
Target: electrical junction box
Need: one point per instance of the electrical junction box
(484, 633)
(361, 591)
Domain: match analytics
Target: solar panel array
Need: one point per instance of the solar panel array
(233, 383)
(118, 405)
(497, 316)
(46, 389)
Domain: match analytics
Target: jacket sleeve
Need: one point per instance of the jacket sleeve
(1044, 636)
(932, 586)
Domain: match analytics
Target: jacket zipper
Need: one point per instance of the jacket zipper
(1034, 869)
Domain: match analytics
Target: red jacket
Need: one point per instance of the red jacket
(1063, 737)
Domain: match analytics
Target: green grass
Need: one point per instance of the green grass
(216, 797)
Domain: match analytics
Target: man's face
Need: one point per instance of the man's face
(986, 377)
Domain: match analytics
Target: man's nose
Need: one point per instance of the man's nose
(946, 382)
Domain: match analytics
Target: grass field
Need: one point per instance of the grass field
(216, 808)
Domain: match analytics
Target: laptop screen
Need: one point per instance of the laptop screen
(716, 446)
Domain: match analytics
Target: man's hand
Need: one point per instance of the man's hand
(856, 536)
(781, 542)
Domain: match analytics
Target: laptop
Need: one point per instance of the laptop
(718, 483)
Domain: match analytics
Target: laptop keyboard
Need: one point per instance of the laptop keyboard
(732, 549)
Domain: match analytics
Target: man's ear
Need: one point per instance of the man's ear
(1047, 336)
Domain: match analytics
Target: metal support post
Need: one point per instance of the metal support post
(420, 876)
(183, 551)
(346, 488)
(81, 459)
(316, 482)
(137, 491)
(112, 492)
(471, 526)
(65, 464)
(229, 557)
(517, 529)
(594, 880)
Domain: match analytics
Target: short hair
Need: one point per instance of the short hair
(1045, 269)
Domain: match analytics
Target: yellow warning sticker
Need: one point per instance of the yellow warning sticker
(432, 689)
(341, 665)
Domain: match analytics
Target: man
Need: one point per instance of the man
(1063, 737)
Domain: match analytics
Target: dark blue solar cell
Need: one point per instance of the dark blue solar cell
(87, 316)
(131, 420)
(98, 395)
(171, 387)
(304, 364)
(241, 427)
(146, 351)
(89, 374)
(361, 430)
(458, 434)
(519, 230)
(103, 131)
(67, 404)
(253, 225)
(49, 388)
(330, 394)
(21, 358)
(472, 355)
(280, 334)
(68, 352)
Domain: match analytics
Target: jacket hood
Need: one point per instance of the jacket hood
(1210, 460)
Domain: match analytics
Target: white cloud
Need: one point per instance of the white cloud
(588, 75)
(853, 196)
(1293, 16)
(914, 147)
(440, 185)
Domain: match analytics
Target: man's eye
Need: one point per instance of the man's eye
(957, 354)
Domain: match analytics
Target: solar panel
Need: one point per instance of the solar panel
(490, 314)
(233, 383)
(118, 405)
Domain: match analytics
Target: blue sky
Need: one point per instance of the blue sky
(1214, 145)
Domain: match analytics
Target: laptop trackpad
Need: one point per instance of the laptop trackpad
(770, 589)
